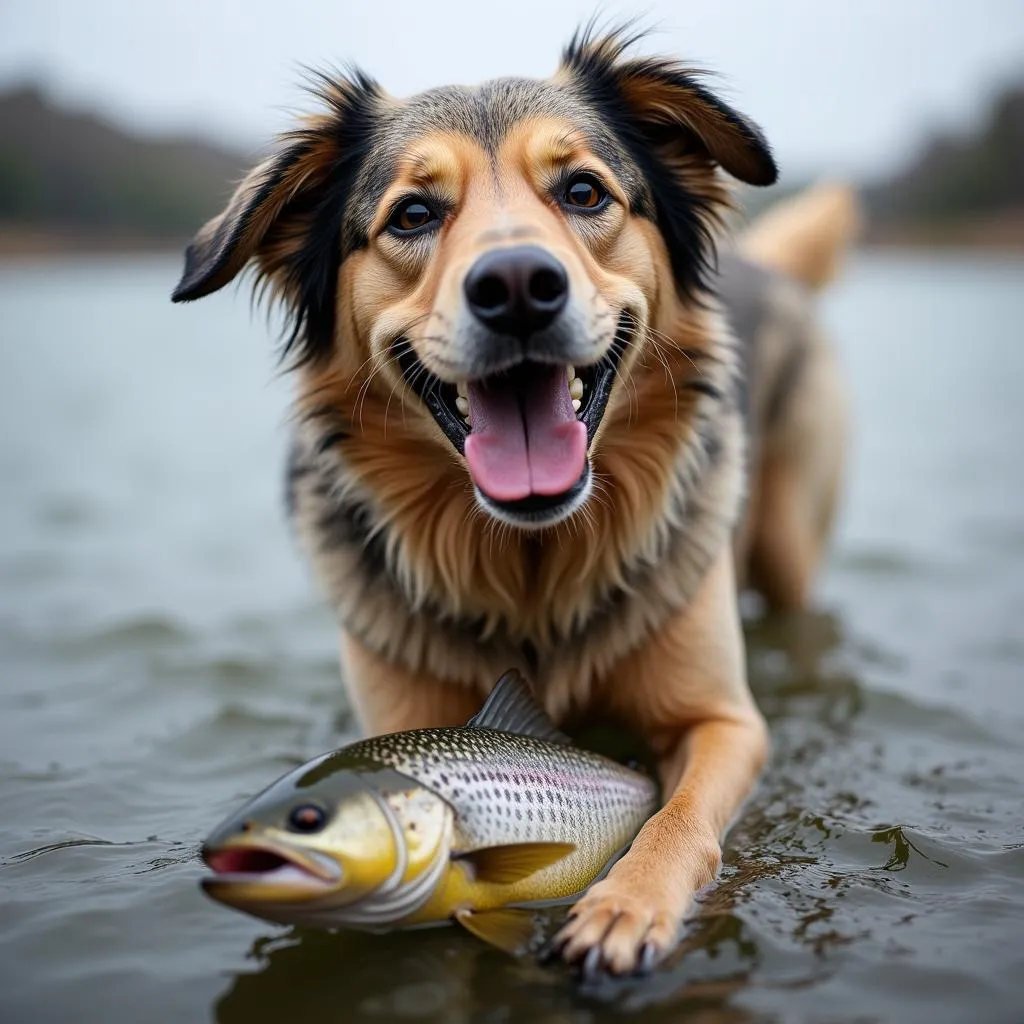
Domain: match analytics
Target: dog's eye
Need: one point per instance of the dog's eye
(585, 192)
(411, 215)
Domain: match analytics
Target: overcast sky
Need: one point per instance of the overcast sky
(839, 86)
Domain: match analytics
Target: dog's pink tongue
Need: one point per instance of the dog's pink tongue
(525, 441)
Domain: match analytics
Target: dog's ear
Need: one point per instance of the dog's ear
(663, 101)
(677, 134)
(298, 192)
(288, 216)
(225, 244)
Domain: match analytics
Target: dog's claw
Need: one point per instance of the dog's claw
(614, 932)
(592, 964)
(645, 961)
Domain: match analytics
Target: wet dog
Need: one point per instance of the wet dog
(541, 424)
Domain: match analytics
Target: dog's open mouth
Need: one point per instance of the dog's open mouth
(525, 431)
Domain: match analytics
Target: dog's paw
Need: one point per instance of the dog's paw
(617, 930)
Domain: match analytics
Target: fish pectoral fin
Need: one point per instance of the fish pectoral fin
(514, 861)
(509, 930)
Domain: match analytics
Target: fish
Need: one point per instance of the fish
(479, 824)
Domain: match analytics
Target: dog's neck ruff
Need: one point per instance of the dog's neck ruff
(358, 556)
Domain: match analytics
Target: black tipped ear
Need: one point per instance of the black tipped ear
(223, 246)
(666, 95)
(290, 200)
(665, 101)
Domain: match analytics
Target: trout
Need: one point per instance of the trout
(474, 824)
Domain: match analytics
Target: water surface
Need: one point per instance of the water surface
(163, 653)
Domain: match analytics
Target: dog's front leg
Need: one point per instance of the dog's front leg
(687, 690)
(389, 698)
(631, 918)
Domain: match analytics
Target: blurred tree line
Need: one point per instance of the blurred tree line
(956, 178)
(966, 189)
(72, 172)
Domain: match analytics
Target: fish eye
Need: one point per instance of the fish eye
(585, 192)
(412, 216)
(307, 818)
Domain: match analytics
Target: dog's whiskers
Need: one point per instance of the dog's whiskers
(381, 360)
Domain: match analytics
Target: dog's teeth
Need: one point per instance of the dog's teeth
(570, 372)
(462, 404)
(576, 388)
(461, 389)
(576, 403)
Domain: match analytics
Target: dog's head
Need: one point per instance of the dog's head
(500, 254)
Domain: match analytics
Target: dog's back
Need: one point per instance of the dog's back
(795, 405)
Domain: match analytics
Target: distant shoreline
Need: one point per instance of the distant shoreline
(18, 244)
(1002, 231)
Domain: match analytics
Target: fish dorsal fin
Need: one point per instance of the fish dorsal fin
(512, 707)
(512, 862)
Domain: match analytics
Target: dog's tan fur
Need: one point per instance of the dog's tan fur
(628, 608)
(797, 464)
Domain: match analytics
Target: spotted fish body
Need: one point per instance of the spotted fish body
(431, 824)
(506, 788)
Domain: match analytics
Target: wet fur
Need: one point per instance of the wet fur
(721, 440)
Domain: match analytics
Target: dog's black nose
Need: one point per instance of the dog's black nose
(517, 290)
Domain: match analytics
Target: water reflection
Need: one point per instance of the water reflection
(902, 847)
(432, 975)
(803, 682)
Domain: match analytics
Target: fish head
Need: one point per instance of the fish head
(328, 835)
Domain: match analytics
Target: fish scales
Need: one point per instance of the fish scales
(509, 788)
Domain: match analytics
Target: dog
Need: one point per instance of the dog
(551, 415)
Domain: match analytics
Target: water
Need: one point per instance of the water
(163, 653)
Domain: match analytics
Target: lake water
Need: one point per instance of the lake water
(163, 653)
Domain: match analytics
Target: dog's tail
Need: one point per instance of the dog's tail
(805, 236)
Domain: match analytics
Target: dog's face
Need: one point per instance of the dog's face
(504, 277)
(499, 252)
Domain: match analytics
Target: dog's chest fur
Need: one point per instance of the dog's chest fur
(566, 628)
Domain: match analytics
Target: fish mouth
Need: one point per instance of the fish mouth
(525, 428)
(266, 871)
